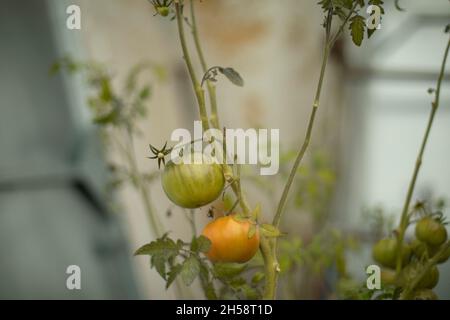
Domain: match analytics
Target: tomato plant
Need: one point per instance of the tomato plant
(224, 257)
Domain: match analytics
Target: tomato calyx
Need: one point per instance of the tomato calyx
(160, 155)
(162, 7)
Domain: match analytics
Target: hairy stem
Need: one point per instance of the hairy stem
(404, 221)
(214, 117)
(200, 94)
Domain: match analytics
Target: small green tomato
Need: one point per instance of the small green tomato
(191, 185)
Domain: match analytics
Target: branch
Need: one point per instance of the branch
(404, 218)
(197, 88)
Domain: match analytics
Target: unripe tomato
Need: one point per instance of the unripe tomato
(420, 248)
(230, 241)
(426, 294)
(412, 271)
(445, 256)
(431, 231)
(388, 277)
(385, 251)
(163, 11)
(193, 185)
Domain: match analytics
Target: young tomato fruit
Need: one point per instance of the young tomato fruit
(230, 241)
(431, 231)
(412, 271)
(191, 185)
(385, 251)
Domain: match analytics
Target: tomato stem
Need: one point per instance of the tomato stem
(210, 86)
(200, 94)
(404, 220)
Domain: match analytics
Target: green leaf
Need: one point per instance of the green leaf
(250, 293)
(325, 4)
(144, 93)
(357, 27)
(158, 261)
(200, 244)
(233, 76)
(251, 231)
(163, 245)
(207, 284)
(110, 117)
(228, 270)
(105, 92)
(172, 274)
(270, 231)
(258, 277)
(190, 270)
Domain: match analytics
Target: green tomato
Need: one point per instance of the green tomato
(385, 251)
(191, 185)
(445, 256)
(163, 11)
(431, 231)
(420, 249)
(412, 271)
(388, 277)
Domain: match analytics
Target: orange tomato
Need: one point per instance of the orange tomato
(230, 241)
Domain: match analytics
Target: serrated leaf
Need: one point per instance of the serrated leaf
(233, 76)
(228, 270)
(158, 261)
(270, 231)
(172, 274)
(190, 270)
(163, 245)
(251, 231)
(204, 244)
(357, 27)
(207, 284)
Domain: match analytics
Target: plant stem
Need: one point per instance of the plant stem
(214, 117)
(304, 147)
(270, 269)
(404, 221)
(200, 94)
(155, 224)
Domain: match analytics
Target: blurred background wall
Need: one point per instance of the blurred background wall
(372, 115)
